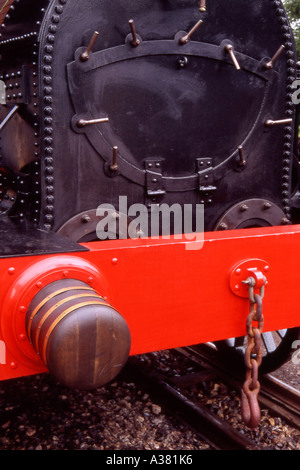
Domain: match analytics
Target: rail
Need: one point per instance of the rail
(279, 398)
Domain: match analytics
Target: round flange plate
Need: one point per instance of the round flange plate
(252, 213)
(83, 226)
(242, 271)
(24, 289)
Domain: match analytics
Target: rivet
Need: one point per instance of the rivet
(52, 28)
(114, 260)
(13, 365)
(22, 309)
(238, 271)
(22, 337)
(39, 284)
(55, 19)
(90, 279)
(65, 273)
(236, 287)
(266, 268)
(49, 209)
(48, 59)
(49, 218)
(11, 270)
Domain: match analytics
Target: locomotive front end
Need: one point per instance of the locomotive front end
(171, 106)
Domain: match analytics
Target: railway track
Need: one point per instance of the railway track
(171, 392)
(278, 397)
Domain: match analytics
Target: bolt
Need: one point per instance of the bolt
(267, 205)
(85, 218)
(182, 62)
(223, 226)
(250, 281)
(244, 208)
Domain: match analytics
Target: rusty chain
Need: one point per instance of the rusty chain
(253, 357)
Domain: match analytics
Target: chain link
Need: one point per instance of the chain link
(253, 357)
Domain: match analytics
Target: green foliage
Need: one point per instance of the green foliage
(293, 8)
(293, 11)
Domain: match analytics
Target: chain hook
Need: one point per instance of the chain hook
(249, 405)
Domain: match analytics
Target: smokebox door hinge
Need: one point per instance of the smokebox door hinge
(205, 175)
(154, 179)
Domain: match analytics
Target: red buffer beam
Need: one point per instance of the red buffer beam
(169, 295)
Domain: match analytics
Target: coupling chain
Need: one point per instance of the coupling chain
(253, 357)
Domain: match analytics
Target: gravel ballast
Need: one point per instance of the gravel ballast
(37, 413)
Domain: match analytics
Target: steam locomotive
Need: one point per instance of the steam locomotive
(182, 102)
